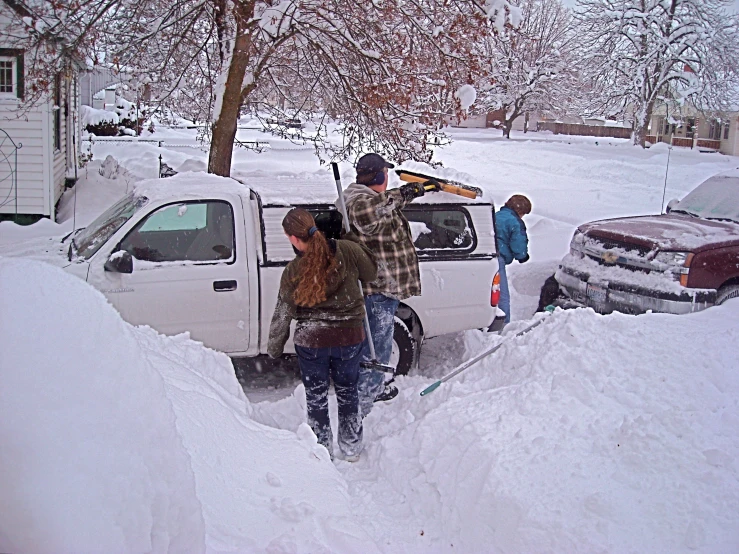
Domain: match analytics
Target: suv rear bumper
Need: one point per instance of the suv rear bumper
(629, 298)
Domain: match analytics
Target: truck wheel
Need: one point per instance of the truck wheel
(726, 292)
(404, 348)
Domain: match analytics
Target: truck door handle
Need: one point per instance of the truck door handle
(224, 286)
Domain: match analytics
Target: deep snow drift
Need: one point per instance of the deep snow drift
(589, 434)
(117, 439)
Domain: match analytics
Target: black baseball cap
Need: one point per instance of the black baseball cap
(372, 163)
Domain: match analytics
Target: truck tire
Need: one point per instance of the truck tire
(726, 292)
(405, 348)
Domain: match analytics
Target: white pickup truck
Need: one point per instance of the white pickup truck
(204, 254)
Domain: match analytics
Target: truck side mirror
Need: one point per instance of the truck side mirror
(671, 204)
(119, 262)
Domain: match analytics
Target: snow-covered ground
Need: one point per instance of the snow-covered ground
(589, 434)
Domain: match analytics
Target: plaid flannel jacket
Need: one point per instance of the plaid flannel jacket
(382, 227)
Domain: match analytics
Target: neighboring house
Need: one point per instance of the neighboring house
(694, 129)
(495, 119)
(39, 144)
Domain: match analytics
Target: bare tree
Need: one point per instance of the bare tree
(385, 69)
(532, 67)
(644, 51)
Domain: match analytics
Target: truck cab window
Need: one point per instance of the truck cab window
(189, 231)
(440, 230)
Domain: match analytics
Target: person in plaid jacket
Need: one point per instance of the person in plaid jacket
(376, 217)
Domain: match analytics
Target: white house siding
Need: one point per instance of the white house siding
(32, 172)
(472, 121)
(730, 146)
(41, 168)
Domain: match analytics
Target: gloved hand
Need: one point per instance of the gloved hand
(524, 259)
(412, 190)
(432, 185)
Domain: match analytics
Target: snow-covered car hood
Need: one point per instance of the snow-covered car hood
(666, 232)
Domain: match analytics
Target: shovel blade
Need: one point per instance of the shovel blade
(377, 366)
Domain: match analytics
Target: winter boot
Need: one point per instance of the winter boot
(390, 392)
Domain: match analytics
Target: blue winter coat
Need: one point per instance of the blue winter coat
(510, 232)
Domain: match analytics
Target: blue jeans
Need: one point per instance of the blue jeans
(317, 367)
(381, 315)
(505, 295)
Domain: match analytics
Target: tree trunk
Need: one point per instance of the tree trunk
(507, 124)
(224, 127)
(641, 123)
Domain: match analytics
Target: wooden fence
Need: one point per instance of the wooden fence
(706, 144)
(583, 130)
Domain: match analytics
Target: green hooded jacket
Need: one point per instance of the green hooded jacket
(344, 304)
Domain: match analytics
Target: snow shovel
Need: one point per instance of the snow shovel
(373, 364)
(432, 387)
(453, 187)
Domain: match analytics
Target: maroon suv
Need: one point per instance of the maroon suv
(679, 262)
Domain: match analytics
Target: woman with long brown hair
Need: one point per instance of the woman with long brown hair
(319, 289)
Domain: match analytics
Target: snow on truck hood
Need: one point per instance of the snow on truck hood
(666, 232)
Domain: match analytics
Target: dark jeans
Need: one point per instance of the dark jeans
(381, 314)
(318, 366)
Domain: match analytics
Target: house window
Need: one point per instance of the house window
(714, 130)
(726, 131)
(11, 73)
(7, 76)
(57, 112)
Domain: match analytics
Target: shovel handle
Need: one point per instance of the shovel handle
(431, 388)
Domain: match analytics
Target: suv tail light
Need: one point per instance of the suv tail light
(495, 290)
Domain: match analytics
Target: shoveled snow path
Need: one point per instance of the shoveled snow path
(590, 433)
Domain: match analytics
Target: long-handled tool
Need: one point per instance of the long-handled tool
(432, 387)
(373, 364)
(453, 187)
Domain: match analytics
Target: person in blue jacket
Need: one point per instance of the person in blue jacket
(512, 241)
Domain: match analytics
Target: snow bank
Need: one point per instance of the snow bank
(11, 232)
(589, 434)
(91, 459)
(93, 116)
(118, 439)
